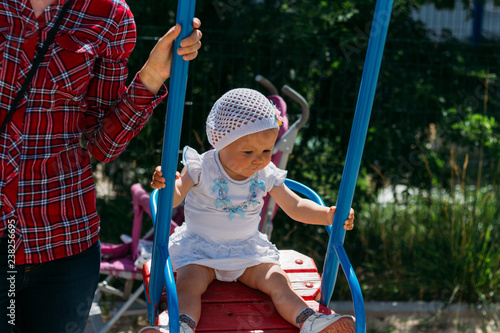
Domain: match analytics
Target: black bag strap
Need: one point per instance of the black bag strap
(36, 63)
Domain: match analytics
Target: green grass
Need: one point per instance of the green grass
(437, 246)
(441, 250)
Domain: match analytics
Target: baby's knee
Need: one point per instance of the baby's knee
(192, 286)
(194, 281)
(276, 281)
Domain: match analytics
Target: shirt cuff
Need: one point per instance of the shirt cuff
(142, 98)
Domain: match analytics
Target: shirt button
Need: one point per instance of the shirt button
(16, 137)
(8, 209)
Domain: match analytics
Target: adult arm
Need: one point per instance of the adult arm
(115, 114)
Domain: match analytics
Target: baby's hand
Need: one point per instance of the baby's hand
(158, 181)
(349, 223)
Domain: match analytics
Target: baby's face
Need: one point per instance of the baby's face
(249, 154)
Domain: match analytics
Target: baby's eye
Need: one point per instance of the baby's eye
(247, 152)
(267, 151)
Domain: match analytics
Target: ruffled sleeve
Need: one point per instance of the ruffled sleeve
(274, 176)
(192, 160)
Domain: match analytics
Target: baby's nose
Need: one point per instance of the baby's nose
(258, 159)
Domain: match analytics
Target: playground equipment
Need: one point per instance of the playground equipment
(161, 268)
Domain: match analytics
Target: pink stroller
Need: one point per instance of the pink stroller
(124, 261)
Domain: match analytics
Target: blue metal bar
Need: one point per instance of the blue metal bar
(357, 140)
(153, 205)
(339, 250)
(308, 193)
(352, 280)
(171, 291)
(304, 190)
(171, 142)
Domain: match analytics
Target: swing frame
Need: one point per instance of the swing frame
(161, 267)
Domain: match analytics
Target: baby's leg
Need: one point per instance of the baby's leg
(192, 282)
(272, 280)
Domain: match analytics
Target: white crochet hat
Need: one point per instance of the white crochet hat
(237, 113)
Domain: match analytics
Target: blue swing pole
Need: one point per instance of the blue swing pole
(161, 268)
(335, 251)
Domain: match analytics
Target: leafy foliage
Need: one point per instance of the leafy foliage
(435, 115)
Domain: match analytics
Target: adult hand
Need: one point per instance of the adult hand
(158, 66)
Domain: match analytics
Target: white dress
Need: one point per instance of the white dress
(222, 217)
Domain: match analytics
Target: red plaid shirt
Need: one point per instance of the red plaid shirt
(46, 184)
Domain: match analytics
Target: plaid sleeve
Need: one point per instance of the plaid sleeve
(115, 113)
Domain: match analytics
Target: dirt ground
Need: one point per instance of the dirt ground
(401, 323)
(426, 323)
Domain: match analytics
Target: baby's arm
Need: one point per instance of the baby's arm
(183, 183)
(305, 210)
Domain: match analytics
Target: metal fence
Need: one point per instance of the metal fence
(420, 80)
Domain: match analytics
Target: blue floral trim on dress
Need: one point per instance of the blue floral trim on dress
(223, 201)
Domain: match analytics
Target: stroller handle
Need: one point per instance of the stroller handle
(295, 96)
(303, 105)
(266, 83)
